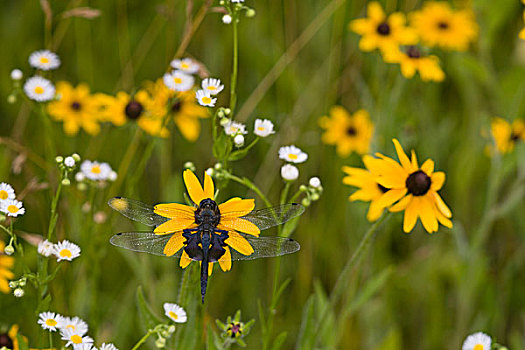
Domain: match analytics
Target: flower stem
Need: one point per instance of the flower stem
(54, 215)
(143, 339)
(50, 340)
(233, 83)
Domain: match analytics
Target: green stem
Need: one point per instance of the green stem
(295, 196)
(233, 83)
(54, 215)
(50, 340)
(285, 191)
(142, 340)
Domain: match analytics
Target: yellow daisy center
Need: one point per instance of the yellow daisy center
(50, 322)
(478, 347)
(212, 88)
(44, 60)
(3, 194)
(206, 99)
(173, 315)
(261, 128)
(177, 80)
(95, 169)
(77, 339)
(184, 65)
(66, 253)
(293, 156)
(39, 90)
(12, 209)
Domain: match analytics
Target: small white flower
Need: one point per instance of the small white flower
(18, 292)
(16, 74)
(44, 60)
(226, 19)
(233, 128)
(210, 171)
(315, 182)
(95, 171)
(45, 248)
(238, 140)
(178, 81)
(39, 89)
(212, 85)
(74, 338)
(75, 324)
(49, 320)
(477, 341)
(69, 162)
(175, 312)
(66, 250)
(263, 127)
(292, 154)
(187, 65)
(109, 346)
(204, 98)
(289, 172)
(80, 176)
(12, 207)
(6, 191)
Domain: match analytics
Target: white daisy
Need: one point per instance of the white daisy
(292, 154)
(66, 250)
(178, 81)
(212, 85)
(49, 320)
(75, 324)
(234, 128)
(74, 338)
(263, 127)
(44, 60)
(6, 191)
(45, 248)
(84, 346)
(39, 89)
(109, 346)
(205, 99)
(175, 312)
(289, 172)
(12, 207)
(187, 65)
(477, 341)
(95, 171)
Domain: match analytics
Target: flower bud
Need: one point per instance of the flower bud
(314, 196)
(227, 111)
(315, 182)
(303, 188)
(218, 166)
(9, 250)
(18, 292)
(305, 202)
(16, 74)
(76, 157)
(189, 165)
(112, 176)
(66, 182)
(13, 284)
(250, 13)
(289, 172)
(238, 140)
(11, 99)
(160, 342)
(210, 171)
(59, 159)
(82, 186)
(226, 19)
(224, 121)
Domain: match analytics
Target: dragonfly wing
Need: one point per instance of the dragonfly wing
(146, 242)
(265, 247)
(137, 211)
(269, 217)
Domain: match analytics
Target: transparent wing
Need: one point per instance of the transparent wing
(269, 217)
(137, 211)
(151, 243)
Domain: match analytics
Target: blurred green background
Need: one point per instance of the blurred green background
(434, 290)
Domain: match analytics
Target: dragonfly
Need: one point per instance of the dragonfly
(208, 233)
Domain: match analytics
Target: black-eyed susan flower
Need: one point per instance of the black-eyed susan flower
(49, 321)
(178, 81)
(213, 86)
(412, 189)
(10, 339)
(76, 324)
(66, 250)
(369, 189)
(411, 60)
(6, 264)
(507, 135)
(204, 98)
(44, 60)
(6, 191)
(381, 32)
(39, 89)
(437, 24)
(175, 312)
(76, 108)
(292, 154)
(187, 65)
(349, 133)
(263, 127)
(477, 341)
(12, 207)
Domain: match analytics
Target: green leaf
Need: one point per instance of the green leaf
(290, 227)
(222, 146)
(147, 318)
(238, 154)
(370, 288)
(307, 333)
(278, 342)
(22, 342)
(211, 340)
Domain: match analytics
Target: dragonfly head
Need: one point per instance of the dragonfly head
(207, 212)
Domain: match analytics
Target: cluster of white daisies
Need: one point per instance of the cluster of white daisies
(64, 250)
(8, 204)
(72, 330)
(95, 171)
(262, 128)
(291, 154)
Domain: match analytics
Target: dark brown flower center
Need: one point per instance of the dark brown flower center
(515, 137)
(6, 341)
(176, 107)
(351, 131)
(413, 52)
(383, 29)
(133, 110)
(76, 106)
(418, 183)
(443, 25)
(383, 188)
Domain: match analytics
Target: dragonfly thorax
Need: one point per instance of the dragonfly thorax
(207, 213)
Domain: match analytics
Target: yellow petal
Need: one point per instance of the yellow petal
(405, 162)
(225, 262)
(410, 218)
(427, 214)
(391, 196)
(185, 260)
(239, 243)
(375, 11)
(441, 206)
(240, 225)
(175, 243)
(413, 161)
(173, 225)
(428, 167)
(437, 179)
(193, 186)
(236, 207)
(401, 205)
(374, 211)
(174, 210)
(209, 190)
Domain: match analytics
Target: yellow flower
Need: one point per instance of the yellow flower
(369, 189)
(348, 132)
(439, 25)
(76, 107)
(182, 106)
(414, 189)
(413, 60)
(6, 263)
(506, 135)
(381, 32)
(183, 217)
